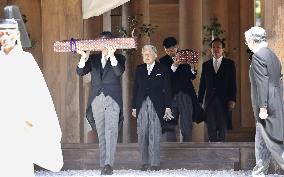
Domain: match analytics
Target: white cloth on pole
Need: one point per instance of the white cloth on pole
(91, 8)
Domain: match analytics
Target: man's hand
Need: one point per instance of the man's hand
(263, 113)
(133, 112)
(110, 51)
(193, 65)
(231, 105)
(168, 114)
(84, 55)
(177, 61)
(201, 105)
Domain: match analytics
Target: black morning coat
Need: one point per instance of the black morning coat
(106, 80)
(157, 86)
(221, 84)
(267, 91)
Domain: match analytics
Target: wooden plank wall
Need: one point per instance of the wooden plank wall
(168, 23)
(274, 24)
(62, 20)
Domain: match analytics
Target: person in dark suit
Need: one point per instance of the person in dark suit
(151, 106)
(218, 81)
(267, 101)
(105, 98)
(182, 91)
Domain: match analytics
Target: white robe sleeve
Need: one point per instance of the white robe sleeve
(37, 106)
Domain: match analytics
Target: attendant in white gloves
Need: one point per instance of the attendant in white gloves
(105, 98)
(151, 106)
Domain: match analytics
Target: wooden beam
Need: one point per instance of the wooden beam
(164, 1)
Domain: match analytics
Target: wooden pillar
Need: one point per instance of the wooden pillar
(246, 21)
(141, 7)
(62, 20)
(190, 36)
(145, 11)
(274, 25)
(126, 83)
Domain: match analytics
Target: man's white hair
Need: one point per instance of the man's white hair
(256, 34)
(148, 46)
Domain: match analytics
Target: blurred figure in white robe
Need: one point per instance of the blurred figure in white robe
(29, 128)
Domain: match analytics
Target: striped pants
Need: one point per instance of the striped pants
(106, 115)
(149, 132)
(265, 148)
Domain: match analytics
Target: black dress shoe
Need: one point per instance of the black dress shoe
(107, 170)
(155, 168)
(144, 167)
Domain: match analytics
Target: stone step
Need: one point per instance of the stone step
(199, 156)
(239, 136)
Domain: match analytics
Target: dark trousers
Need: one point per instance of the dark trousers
(182, 109)
(216, 120)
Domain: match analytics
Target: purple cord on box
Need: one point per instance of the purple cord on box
(73, 43)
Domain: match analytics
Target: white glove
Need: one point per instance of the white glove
(168, 114)
(84, 55)
(133, 112)
(263, 113)
(84, 58)
(110, 51)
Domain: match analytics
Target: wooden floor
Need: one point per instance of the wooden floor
(198, 156)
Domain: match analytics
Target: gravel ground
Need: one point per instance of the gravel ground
(136, 173)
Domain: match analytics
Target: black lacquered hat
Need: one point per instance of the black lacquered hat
(13, 17)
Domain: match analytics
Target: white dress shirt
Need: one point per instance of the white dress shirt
(112, 59)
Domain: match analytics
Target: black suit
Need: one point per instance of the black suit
(106, 80)
(181, 81)
(220, 88)
(156, 86)
(184, 100)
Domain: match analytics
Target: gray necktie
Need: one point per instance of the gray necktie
(149, 69)
(215, 64)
